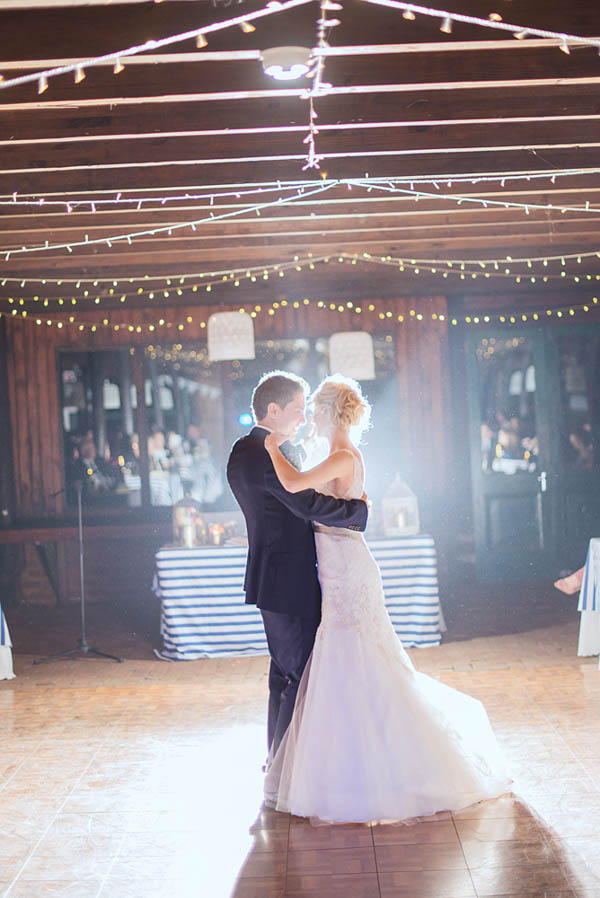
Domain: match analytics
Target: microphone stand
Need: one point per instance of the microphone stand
(83, 647)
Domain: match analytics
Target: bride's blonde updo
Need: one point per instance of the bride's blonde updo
(342, 399)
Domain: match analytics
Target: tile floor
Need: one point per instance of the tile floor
(143, 779)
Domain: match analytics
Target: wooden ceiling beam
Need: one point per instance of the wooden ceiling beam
(75, 98)
(422, 214)
(414, 108)
(433, 107)
(252, 229)
(93, 29)
(567, 189)
(525, 46)
(334, 143)
(65, 144)
(435, 163)
(211, 251)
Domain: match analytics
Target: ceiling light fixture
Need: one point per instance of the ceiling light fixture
(286, 63)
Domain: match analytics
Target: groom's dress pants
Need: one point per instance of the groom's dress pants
(291, 640)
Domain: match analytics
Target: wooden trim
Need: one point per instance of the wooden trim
(7, 478)
(40, 535)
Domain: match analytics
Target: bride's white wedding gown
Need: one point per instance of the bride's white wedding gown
(372, 739)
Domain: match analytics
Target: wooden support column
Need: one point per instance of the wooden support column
(158, 415)
(97, 369)
(228, 405)
(142, 423)
(11, 557)
(126, 404)
(7, 478)
(178, 402)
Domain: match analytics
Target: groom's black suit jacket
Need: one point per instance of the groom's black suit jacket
(281, 573)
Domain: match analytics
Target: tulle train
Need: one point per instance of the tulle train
(374, 740)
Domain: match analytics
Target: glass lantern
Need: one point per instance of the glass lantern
(188, 526)
(400, 510)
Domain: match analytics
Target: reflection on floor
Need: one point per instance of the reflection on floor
(143, 779)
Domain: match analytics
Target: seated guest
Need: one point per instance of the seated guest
(572, 583)
(97, 478)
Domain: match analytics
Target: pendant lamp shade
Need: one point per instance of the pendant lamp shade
(230, 336)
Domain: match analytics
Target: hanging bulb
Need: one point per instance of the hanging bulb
(495, 17)
(118, 67)
(42, 84)
(446, 26)
(247, 27)
(201, 41)
(520, 35)
(409, 15)
(565, 47)
(79, 74)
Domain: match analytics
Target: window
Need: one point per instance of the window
(193, 410)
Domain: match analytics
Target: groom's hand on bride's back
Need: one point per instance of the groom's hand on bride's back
(274, 439)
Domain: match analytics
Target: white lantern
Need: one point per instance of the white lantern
(351, 354)
(230, 336)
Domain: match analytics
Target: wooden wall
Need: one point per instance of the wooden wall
(35, 418)
(34, 390)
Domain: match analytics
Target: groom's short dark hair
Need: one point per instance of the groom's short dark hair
(276, 386)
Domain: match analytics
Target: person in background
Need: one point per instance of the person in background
(572, 583)
(97, 478)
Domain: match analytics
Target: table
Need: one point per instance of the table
(6, 665)
(203, 613)
(589, 603)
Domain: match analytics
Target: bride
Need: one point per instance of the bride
(371, 738)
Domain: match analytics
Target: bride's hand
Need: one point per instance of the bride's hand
(273, 441)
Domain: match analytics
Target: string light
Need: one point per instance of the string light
(494, 21)
(328, 184)
(243, 190)
(244, 22)
(389, 187)
(318, 87)
(300, 194)
(505, 317)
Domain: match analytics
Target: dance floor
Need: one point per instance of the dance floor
(143, 779)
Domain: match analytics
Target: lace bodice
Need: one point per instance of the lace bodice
(352, 593)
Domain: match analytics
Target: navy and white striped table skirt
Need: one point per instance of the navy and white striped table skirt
(6, 665)
(203, 612)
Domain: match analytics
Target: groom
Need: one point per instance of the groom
(281, 573)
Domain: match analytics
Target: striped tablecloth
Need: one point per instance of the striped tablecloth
(589, 603)
(202, 601)
(6, 665)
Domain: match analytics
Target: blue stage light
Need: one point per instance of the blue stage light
(245, 419)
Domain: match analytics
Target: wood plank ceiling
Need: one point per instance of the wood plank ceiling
(458, 145)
